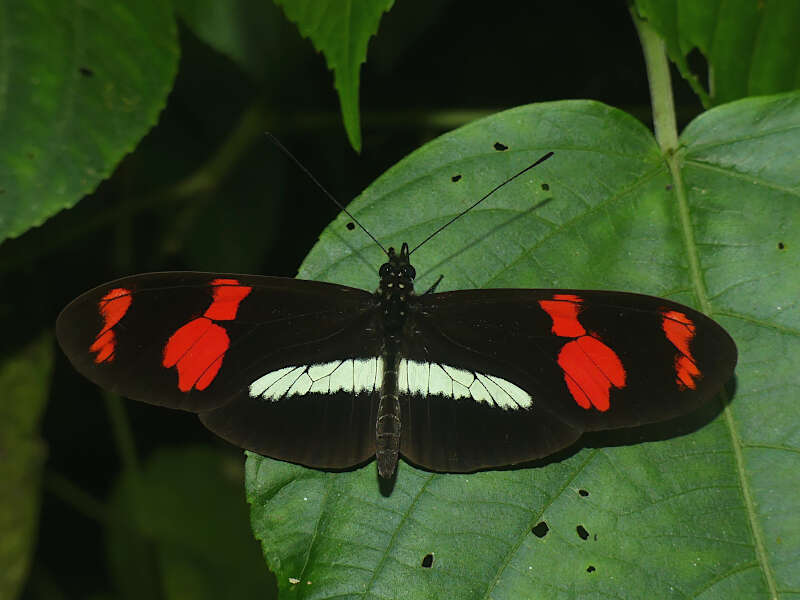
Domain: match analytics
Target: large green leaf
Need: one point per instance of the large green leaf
(25, 381)
(340, 29)
(751, 47)
(705, 507)
(81, 84)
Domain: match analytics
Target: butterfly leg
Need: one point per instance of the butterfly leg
(432, 289)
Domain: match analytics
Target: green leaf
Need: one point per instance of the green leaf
(341, 31)
(185, 533)
(25, 381)
(82, 84)
(247, 31)
(751, 47)
(701, 507)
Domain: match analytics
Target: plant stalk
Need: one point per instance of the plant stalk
(661, 99)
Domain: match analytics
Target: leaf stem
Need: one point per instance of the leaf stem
(82, 502)
(122, 432)
(663, 104)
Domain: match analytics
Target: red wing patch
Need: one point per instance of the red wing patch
(197, 348)
(228, 294)
(590, 367)
(112, 308)
(680, 330)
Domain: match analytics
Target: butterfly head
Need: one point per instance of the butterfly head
(397, 280)
(398, 268)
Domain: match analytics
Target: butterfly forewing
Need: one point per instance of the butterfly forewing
(199, 341)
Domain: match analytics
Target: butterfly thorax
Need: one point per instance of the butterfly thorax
(396, 287)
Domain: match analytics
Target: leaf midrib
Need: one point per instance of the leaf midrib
(698, 283)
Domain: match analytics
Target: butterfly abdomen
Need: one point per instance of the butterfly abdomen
(388, 424)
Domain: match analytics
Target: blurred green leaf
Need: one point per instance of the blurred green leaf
(686, 509)
(751, 47)
(76, 100)
(247, 31)
(341, 31)
(187, 532)
(25, 381)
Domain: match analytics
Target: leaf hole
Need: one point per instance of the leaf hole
(668, 187)
(350, 226)
(455, 178)
(85, 71)
(781, 246)
(583, 493)
(427, 561)
(582, 533)
(540, 529)
(546, 187)
(500, 147)
(590, 569)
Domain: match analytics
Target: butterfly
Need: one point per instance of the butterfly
(329, 376)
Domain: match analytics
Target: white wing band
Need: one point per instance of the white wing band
(414, 378)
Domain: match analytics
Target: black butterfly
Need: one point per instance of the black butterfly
(327, 375)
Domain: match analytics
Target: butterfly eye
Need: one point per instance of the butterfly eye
(409, 272)
(384, 270)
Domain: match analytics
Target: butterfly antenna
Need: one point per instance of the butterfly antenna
(285, 150)
(466, 210)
